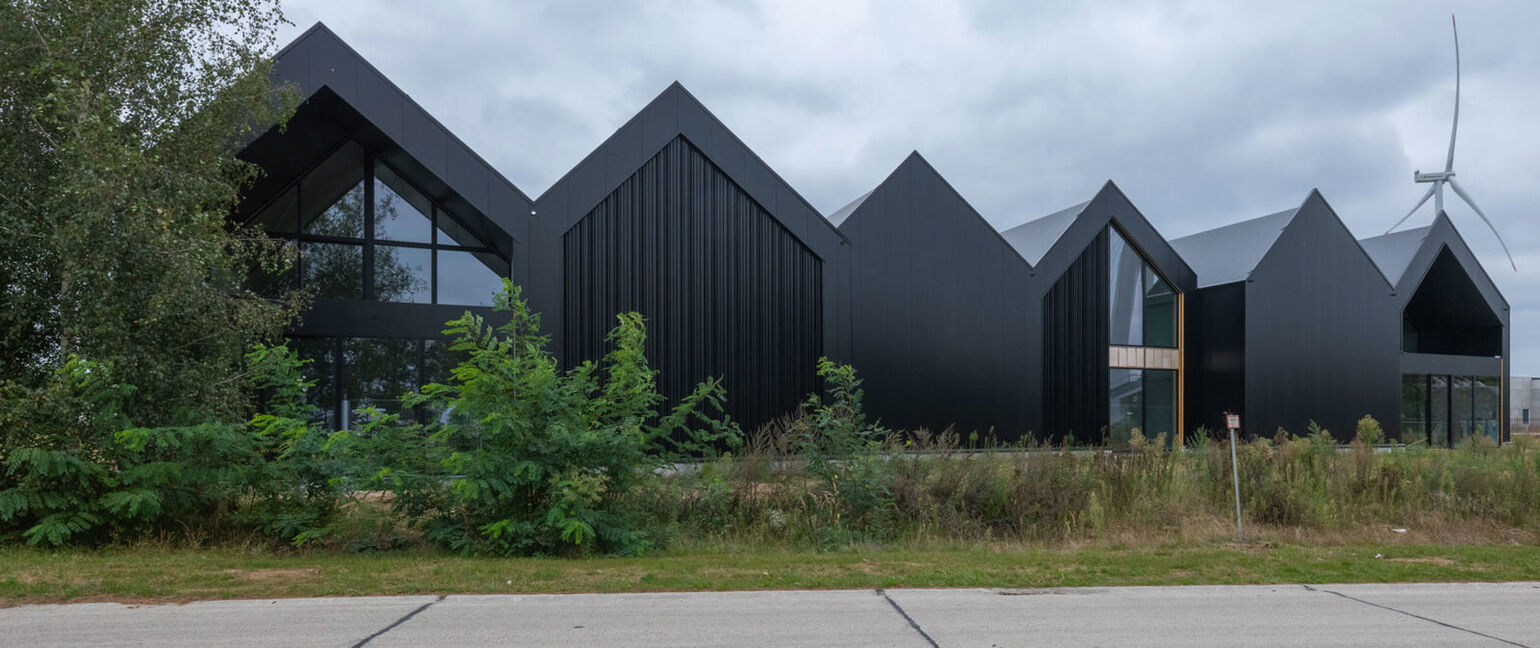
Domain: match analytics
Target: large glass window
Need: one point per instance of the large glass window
(377, 372)
(1160, 404)
(1485, 400)
(1142, 338)
(404, 274)
(401, 213)
(332, 269)
(1125, 293)
(1414, 407)
(364, 232)
(351, 374)
(322, 370)
(1141, 305)
(1447, 410)
(468, 278)
(1460, 404)
(1142, 400)
(1159, 311)
(1126, 389)
(1438, 411)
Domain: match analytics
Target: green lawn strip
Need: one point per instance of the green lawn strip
(160, 575)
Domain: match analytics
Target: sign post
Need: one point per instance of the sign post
(1233, 422)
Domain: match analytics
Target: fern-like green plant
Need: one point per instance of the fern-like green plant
(530, 459)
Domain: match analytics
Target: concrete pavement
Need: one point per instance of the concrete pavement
(1506, 614)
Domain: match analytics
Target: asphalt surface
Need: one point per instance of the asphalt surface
(1506, 614)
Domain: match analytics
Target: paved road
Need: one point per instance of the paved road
(1282, 615)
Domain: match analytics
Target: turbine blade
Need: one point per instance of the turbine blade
(1449, 163)
(1415, 207)
(1466, 197)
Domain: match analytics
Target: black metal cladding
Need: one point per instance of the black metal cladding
(1320, 329)
(725, 289)
(1215, 365)
(1075, 325)
(941, 312)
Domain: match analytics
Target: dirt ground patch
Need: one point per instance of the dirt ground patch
(1427, 560)
(274, 575)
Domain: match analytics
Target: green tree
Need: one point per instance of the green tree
(119, 124)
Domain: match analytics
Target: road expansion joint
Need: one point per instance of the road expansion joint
(896, 608)
(398, 622)
(1417, 616)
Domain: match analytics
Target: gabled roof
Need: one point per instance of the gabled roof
(1442, 235)
(915, 174)
(1394, 251)
(1229, 253)
(1058, 239)
(1033, 238)
(327, 72)
(676, 113)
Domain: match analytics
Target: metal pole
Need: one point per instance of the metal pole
(1235, 473)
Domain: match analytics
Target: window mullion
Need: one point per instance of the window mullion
(433, 253)
(369, 229)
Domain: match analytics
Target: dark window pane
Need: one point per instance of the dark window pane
(377, 372)
(333, 269)
(438, 367)
(1460, 404)
(1126, 406)
(1159, 311)
(1486, 396)
(469, 278)
(451, 232)
(400, 212)
(1160, 404)
(1125, 294)
(322, 369)
(277, 273)
(1414, 408)
(402, 274)
(1438, 419)
(282, 215)
(332, 196)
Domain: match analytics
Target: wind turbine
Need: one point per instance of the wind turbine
(1441, 178)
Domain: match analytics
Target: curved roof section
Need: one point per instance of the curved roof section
(1229, 253)
(1034, 238)
(1394, 252)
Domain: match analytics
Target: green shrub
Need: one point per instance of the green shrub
(109, 480)
(1369, 431)
(531, 459)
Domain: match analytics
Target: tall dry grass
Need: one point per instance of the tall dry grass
(923, 489)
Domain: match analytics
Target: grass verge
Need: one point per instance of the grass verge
(158, 574)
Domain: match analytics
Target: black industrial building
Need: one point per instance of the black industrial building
(1083, 323)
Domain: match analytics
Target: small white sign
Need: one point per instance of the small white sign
(1233, 421)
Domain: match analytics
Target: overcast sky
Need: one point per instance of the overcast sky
(1203, 112)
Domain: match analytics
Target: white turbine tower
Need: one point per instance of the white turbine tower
(1441, 178)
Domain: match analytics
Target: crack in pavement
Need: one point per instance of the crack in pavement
(397, 622)
(1417, 616)
(884, 594)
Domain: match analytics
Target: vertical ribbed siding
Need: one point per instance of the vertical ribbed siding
(1075, 329)
(725, 289)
